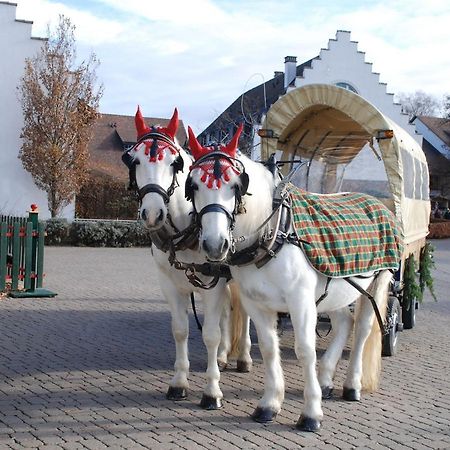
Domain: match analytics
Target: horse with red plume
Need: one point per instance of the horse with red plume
(156, 165)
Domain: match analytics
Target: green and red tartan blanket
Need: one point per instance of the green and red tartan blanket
(346, 234)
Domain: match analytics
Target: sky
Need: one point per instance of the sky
(201, 55)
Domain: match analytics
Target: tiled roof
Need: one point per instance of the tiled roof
(110, 133)
(439, 126)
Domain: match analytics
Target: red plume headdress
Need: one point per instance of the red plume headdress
(214, 170)
(142, 129)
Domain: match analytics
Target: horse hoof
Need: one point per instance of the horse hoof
(222, 365)
(327, 392)
(263, 415)
(243, 366)
(308, 424)
(351, 395)
(210, 403)
(176, 393)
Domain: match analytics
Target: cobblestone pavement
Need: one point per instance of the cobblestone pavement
(89, 369)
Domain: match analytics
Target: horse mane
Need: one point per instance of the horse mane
(258, 202)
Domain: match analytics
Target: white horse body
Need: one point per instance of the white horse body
(287, 283)
(174, 215)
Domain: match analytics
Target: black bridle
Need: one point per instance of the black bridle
(240, 189)
(131, 162)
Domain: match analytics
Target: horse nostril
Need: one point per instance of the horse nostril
(143, 215)
(161, 215)
(205, 246)
(225, 245)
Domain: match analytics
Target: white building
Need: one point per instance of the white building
(341, 64)
(17, 189)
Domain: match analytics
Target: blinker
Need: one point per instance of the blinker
(178, 164)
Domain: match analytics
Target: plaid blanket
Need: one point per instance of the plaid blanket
(346, 234)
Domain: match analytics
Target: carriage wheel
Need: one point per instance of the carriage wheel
(393, 316)
(409, 307)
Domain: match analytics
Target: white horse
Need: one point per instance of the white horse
(158, 166)
(286, 283)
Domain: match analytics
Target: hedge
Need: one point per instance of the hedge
(99, 233)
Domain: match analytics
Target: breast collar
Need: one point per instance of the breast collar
(276, 232)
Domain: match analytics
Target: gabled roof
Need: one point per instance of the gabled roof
(439, 126)
(257, 100)
(110, 133)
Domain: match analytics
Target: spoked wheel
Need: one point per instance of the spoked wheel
(394, 318)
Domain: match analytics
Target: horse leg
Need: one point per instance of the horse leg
(240, 326)
(225, 333)
(213, 306)
(304, 319)
(365, 358)
(178, 304)
(265, 324)
(342, 324)
(244, 360)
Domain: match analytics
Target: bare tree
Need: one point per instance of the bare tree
(59, 102)
(418, 104)
(446, 106)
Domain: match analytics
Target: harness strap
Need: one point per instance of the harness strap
(384, 327)
(214, 207)
(325, 294)
(148, 188)
(260, 252)
(194, 309)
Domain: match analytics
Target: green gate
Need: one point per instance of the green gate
(22, 256)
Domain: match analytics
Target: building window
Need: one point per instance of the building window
(345, 85)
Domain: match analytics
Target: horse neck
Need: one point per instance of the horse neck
(258, 205)
(179, 207)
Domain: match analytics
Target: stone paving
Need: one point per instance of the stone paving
(89, 370)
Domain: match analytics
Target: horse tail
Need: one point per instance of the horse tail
(236, 318)
(371, 359)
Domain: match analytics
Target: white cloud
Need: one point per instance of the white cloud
(90, 30)
(199, 54)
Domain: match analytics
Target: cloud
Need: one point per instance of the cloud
(90, 29)
(200, 55)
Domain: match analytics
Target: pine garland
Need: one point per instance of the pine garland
(411, 290)
(426, 265)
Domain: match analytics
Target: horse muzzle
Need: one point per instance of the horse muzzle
(217, 250)
(153, 218)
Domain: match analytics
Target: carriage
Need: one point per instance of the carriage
(351, 146)
(329, 128)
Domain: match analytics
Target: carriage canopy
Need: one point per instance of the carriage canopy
(338, 132)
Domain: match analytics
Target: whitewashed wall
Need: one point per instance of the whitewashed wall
(17, 189)
(342, 62)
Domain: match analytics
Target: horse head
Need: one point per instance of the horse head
(215, 185)
(153, 163)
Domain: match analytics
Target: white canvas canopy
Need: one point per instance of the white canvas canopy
(331, 124)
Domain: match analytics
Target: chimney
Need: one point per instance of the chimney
(290, 70)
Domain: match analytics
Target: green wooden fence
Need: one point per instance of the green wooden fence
(22, 256)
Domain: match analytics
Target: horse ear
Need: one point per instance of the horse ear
(232, 145)
(141, 128)
(172, 128)
(197, 150)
